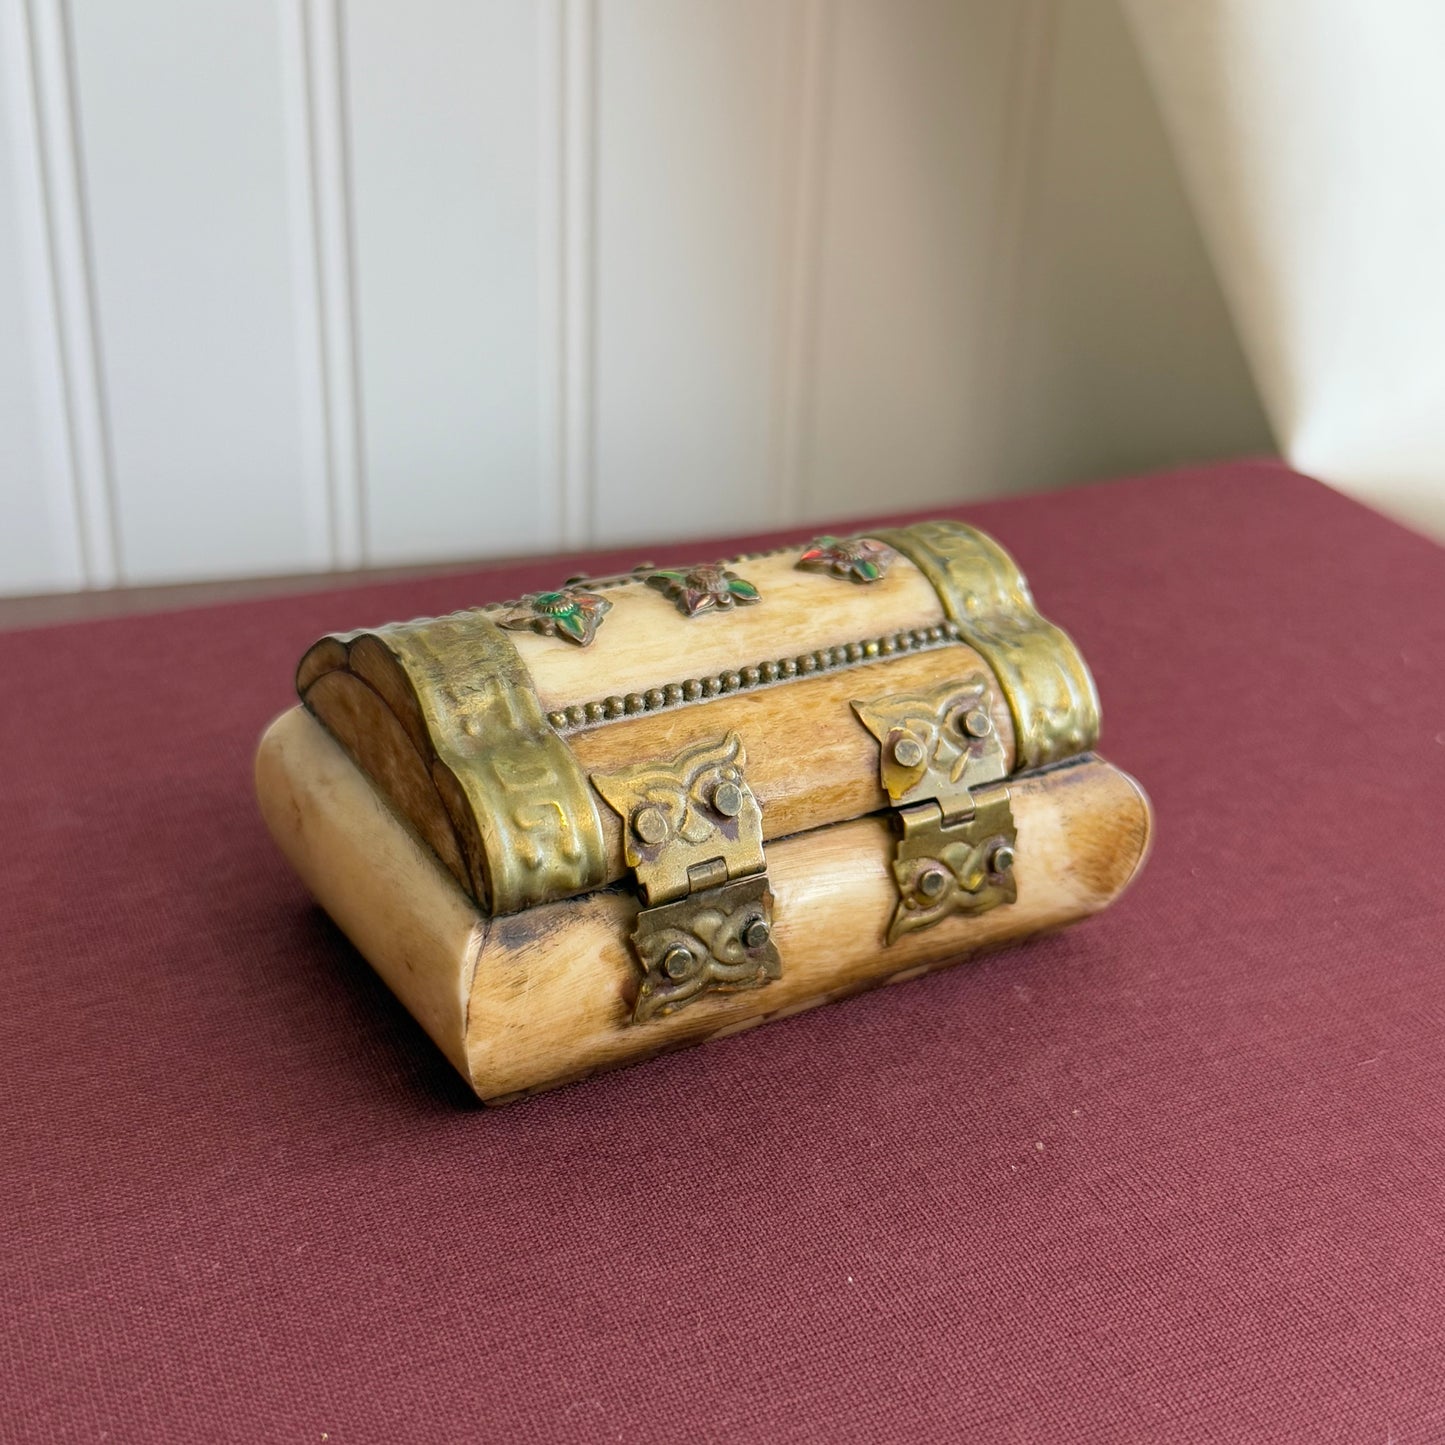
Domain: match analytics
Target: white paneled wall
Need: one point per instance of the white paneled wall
(45, 542)
(915, 235)
(690, 158)
(302, 284)
(455, 270)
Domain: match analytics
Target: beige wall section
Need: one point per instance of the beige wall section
(485, 279)
(1312, 136)
(1013, 293)
(1119, 354)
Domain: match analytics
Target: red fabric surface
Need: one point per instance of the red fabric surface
(1175, 1175)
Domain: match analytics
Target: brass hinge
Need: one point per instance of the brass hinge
(942, 765)
(693, 836)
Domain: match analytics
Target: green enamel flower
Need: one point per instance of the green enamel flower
(704, 588)
(859, 559)
(569, 612)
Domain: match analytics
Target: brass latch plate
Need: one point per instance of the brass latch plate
(942, 765)
(694, 838)
(953, 866)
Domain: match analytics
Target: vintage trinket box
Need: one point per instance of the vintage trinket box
(643, 811)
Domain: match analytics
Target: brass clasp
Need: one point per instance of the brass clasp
(693, 835)
(942, 765)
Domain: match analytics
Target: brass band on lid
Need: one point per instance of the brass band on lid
(1049, 688)
(541, 835)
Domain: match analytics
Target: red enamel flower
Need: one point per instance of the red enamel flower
(856, 559)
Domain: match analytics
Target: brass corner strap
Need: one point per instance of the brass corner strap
(693, 834)
(1047, 683)
(942, 765)
(515, 795)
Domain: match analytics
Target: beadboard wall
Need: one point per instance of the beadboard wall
(313, 284)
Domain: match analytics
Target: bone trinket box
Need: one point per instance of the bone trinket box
(643, 811)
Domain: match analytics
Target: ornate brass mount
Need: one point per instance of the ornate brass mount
(854, 559)
(570, 612)
(704, 588)
(694, 838)
(941, 763)
(1049, 690)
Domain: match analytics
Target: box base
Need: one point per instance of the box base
(532, 1000)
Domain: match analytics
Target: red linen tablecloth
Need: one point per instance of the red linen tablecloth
(1178, 1175)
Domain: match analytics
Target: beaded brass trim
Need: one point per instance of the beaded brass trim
(759, 674)
(541, 833)
(1049, 689)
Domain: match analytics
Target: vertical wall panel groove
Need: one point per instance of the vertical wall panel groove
(190, 206)
(579, 268)
(909, 204)
(319, 27)
(454, 276)
(316, 472)
(40, 537)
(1022, 140)
(806, 82)
(1120, 355)
(73, 276)
(691, 144)
(552, 500)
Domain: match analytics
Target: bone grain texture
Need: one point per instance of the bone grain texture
(540, 998)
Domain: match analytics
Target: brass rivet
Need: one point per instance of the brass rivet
(933, 882)
(756, 932)
(649, 825)
(676, 962)
(727, 798)
(908, 752)
(1002, 859)
(978, 724)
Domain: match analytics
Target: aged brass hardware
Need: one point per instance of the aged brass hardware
(704, 588)
(693, 837)
(758, 674)
(1049, 690)
(856, 559)
(942, 764)
(491, 753)
(570, 612)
